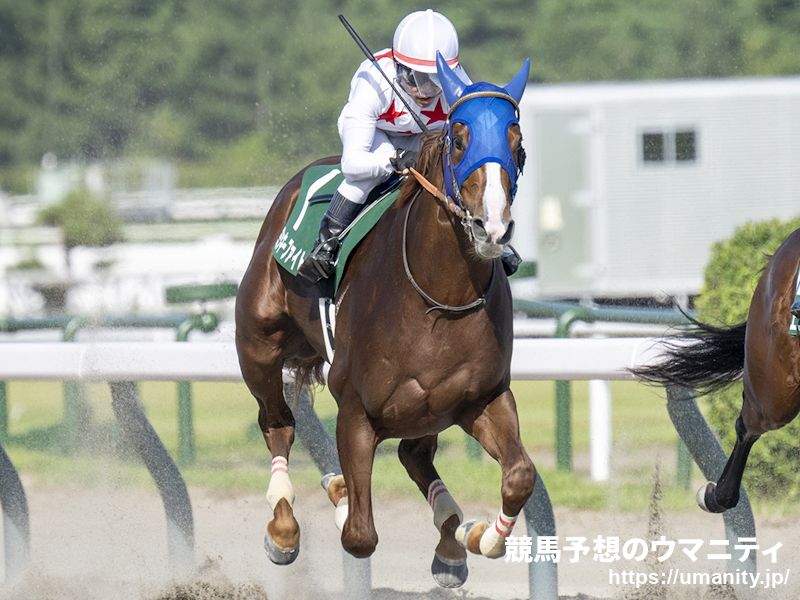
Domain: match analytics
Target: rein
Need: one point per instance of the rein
(435, 305)
(448, 202)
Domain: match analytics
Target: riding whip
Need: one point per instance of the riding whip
(372, 59)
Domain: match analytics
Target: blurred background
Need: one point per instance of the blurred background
(142, 142)
(131, 129)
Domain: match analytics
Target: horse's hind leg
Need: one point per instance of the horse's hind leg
(449, 567)
(496, 427)
(719, 497)
(262, 371)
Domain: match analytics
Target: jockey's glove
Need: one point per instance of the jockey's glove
(403, 159)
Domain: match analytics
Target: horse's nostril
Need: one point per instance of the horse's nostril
(479, 231)
(507, 235)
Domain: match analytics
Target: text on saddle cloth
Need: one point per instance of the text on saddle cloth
(299, 235)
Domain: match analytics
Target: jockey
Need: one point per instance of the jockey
(379, 136)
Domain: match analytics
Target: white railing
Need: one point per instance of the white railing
(534, 359)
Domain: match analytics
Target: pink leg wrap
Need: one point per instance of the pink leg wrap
(442, 503)
(279, 484)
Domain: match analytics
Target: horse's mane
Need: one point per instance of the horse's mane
(429, 155)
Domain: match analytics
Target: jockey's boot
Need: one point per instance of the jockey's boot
(796, 309)
(511, 260)
(321, 264)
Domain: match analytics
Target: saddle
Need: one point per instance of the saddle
(299, 236)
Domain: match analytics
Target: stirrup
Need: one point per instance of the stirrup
(314, 268)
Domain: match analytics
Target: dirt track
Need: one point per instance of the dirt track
(106, 543)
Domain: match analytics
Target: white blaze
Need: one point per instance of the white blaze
(494, 202)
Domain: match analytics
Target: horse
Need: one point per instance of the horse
(423, 334)
(760, 350)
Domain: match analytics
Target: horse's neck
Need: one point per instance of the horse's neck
(440, 255)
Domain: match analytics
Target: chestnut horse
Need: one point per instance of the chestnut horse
(423, 335)
(761, 350)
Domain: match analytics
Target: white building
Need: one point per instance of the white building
(628, 184)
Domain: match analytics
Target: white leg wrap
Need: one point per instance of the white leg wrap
(340, 513)
(442, 504)
(279, 484)
(493, 540)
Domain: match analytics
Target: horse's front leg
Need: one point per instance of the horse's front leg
(262, 372)
(449, 567)
(496, 427)
(357, 440)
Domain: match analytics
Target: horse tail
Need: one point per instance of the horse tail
(711, 361)
(307, 374)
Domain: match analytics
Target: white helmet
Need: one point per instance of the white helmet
(420, 35)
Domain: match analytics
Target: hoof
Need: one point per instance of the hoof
(279, 556)
(469, 534)
(449, 573)
(706, 499)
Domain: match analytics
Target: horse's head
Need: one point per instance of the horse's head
(483, 154)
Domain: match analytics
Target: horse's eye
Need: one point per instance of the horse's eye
(458, 143)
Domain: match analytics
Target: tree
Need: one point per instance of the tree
(84, 219)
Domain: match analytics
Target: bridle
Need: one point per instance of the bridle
(454, 205)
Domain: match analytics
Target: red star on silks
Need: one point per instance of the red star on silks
(437, 114)
(391, 114)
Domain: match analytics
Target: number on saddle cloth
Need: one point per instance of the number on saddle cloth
(299, 235)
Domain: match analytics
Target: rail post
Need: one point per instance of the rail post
(186, 449)
(564, 400)
(709, 456)
(540, 521)
(3, 413)
(203, 321)
(683, 474)
(16, 522)
(144, 439)
(76, 410)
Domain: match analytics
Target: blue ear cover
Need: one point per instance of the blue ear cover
(516, 87)
(452, 86)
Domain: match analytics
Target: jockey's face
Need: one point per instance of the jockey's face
(419, 99)
(422, 87)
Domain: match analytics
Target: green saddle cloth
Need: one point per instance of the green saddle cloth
(299, 235)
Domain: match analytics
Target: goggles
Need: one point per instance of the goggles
(425, 85)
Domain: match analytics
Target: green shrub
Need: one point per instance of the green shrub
(730, 278)
(85, 220)
(18, 179)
